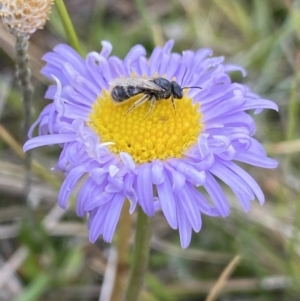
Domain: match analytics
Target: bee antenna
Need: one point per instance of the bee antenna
(192, 88)
(183, 76)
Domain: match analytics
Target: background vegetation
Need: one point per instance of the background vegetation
(45, 253)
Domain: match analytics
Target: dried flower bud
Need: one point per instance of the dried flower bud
(24, 17)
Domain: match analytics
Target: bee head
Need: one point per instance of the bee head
(176, 90)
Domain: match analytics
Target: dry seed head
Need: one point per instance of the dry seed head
(24, 17)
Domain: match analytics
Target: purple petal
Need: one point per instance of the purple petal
(247, 178)
(155, 60)
(98, 200)
(190, 207)
(68, 185)
(241, 190)
(84, 196)
(130, 192)
(97, 224)
(43, 114)
(165, 62)
(71, 55)
(51, 91)
(232, 67)
(260, 104)
(157, 172)
(231, 179)
(95, 69)
(191, 174)
(113, 217)
(135, 53)
(216, 193)
(202, 203)
(168, 46)
(128, 161)
(185, 229)
(144, 189)
(118, 66)
(173, 65)
(256, 160)
(111, 188)
(203, 146)
(48, 140)
(234, 104)
(106, 49)
(143, 66)
(113, 170)
(177, 179)
(167, 201)
(98, 175)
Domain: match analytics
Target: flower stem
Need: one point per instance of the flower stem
(24, 78)
(140, 256)
(67, 23)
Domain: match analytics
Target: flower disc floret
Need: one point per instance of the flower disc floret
(164, 133)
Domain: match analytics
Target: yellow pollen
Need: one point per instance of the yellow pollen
(164, 133)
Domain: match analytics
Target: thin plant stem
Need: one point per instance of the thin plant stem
(24, 78)
(140, 256)
(67, 23)
(218, 286)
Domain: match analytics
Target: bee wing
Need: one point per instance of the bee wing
(139, 82)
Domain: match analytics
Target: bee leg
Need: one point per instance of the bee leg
(152, 105)
(173, 103)
(138, 103)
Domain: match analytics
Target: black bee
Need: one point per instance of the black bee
(153, 89)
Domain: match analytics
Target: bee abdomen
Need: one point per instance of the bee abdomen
(120, 93)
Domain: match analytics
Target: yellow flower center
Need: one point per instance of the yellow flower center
(164, 133)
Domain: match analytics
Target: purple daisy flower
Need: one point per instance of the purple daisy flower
(159, 161)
